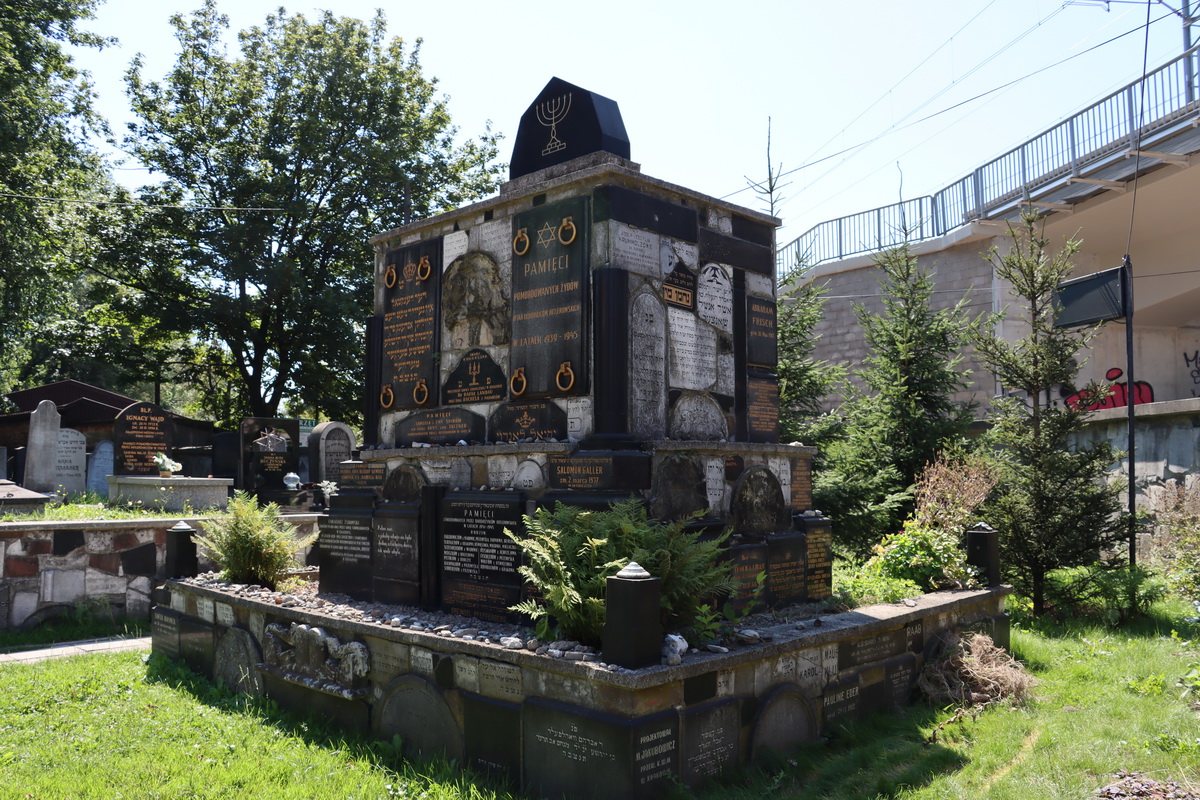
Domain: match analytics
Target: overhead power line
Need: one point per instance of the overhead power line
(133, 204)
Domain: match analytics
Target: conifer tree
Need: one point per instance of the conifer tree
(1052, 505)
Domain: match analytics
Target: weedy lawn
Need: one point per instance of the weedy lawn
(115, 726)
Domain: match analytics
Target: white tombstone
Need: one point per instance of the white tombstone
(100, 466)
(70, 464)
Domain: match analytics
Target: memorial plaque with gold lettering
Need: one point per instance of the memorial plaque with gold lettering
(139, 432)
(762, 408)
(412, 281)
(536, 419)
(268, 453)
(476, 379)
(599, 469)
(761, 336)
(549, 300)
(440, 426)
(679, 288)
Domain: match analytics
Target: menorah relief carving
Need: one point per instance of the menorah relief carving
(550, 113)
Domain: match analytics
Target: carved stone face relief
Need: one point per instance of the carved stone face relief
(474, 306)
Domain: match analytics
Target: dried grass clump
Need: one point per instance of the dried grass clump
(973, 671)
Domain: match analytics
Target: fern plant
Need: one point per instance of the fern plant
(251, 542)
(571, 552)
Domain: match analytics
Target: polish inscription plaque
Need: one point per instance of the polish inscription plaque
(479, 563)
(762, 408)
(140, 431)
(549, 300)
(412, 280)
(476, 379)
(761, 335)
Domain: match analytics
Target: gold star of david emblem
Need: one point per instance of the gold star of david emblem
(547, 234)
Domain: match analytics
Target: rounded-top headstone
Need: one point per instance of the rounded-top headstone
(563, 123)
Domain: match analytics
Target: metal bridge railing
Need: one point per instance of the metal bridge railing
(1102, 130)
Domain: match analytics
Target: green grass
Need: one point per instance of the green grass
(84, 621)
(91, 505)
(113, 726)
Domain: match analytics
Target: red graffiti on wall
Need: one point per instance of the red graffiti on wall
(1118, 395)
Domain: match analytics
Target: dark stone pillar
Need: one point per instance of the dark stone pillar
(610, 348)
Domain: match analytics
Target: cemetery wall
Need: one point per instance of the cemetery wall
(556, 727)
(47, 568)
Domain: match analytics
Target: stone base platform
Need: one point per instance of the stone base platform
(171, 494)
(555, 727)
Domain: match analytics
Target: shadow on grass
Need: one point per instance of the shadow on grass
(321, 731)
(879, 757)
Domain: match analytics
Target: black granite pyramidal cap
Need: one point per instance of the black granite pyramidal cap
(563, 123)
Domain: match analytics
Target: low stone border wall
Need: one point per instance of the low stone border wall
(556, 727)
(48, 567)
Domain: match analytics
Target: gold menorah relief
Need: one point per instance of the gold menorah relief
(550, 113)
(473, 371)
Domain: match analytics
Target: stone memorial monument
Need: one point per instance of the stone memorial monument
(589, 334)
(41, 453)
(268, 452)
(140, 431)
(329, 444)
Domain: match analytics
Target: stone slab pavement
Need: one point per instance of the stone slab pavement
(76, 649)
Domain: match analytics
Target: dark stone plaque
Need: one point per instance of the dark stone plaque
(757, 506)
(746, 562)
(441, 426)
(361, 475)
(761, 334)
(476, 379)
(820, 555)
(762, 408)
(139, 432)
(840, 702)
(492, 733)
(344, 547)
(536, 419)
(753, 231)
(786, 581)
(140, 560)
(549, 355)
(599, 469)
(899, 678)
(868, 649)
(164, 632)
(412, 281)
(66, 541)
(197, 645)
(736, 252)
(708, 740)
(679, 288)
(268, 452)
(479, 563)
(645, 211)
(566, 122)
(567, 747)
(395, 550)
(734, 465)
(801, 484)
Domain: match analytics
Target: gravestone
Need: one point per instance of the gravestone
(41, 452)
(395, 553)
(268, 453)
(441, 426)
(412, 286)
(140, 431)
(70, 464)
(479, 563)
(647, 367)
(329, 444)
(100, 465)
(345, 543)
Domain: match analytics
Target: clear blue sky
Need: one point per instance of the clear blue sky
(696, 81)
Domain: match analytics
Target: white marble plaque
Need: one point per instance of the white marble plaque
(453, 245)
(579, 418)
(636, 250)
(693, 349)
(674, 253)
(714, 297)
(714, 482)
(759, 285)
(258, 622)
(422, 660)
(502, 470)
(450, 472)
(725, 683)
(829, 661)
(500, 680)
(720, 221)
(647, 367)
(725, 372)
(809, 674)
(225, 615)
(466, 673)
(494, 238)
(205, 609)
(388, 659)
(529, 476)
(781, 468)
(179, 602)
(70, 462)
(784, 669)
